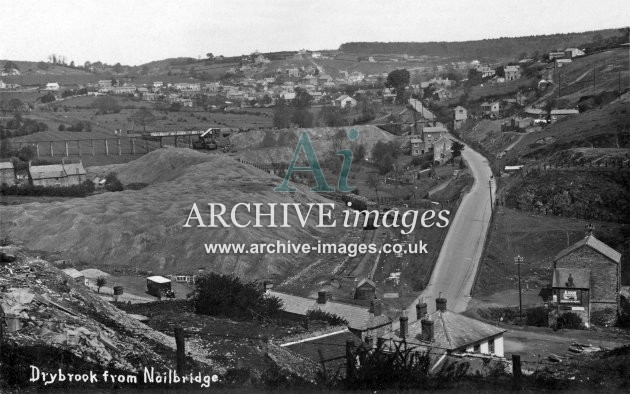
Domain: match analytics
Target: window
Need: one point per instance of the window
(476, 348)
(491, 346)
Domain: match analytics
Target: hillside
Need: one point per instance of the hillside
(143, 228)
(321, 138)
(504, 47)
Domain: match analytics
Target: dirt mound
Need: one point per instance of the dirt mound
(143, 228)
(158, 166)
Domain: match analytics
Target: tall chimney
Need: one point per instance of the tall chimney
(322, 297)
(427, 330)
(404, 325)
(440, 304)
(421, 310)
(376, 307)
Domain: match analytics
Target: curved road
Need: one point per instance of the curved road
(457, 263)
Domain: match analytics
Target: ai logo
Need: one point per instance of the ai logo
(304, 143)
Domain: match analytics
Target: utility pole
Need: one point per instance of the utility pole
(490, 186)
(518, 260)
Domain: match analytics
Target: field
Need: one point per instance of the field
(538, 239)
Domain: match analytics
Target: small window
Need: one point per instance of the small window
(491, 346)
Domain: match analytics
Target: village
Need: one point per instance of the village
(523, 155)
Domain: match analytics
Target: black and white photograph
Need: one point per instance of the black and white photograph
(314, 196)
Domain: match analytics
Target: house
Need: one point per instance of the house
(573, 52)
(2, 84)
(417, 146)
(157, 85)
(557, 114)
(125, 89)
(75, 173)
(52, 86)
(7, 173)
(442, 150)
(586, 280)
(442, 94)
(490, 109)
(451, 332)
(486, 71)
(76, 276)
(345, 101)
(562, 62)
(362, 321)
(556, 55)
(57, 174)
(512, 73)
(460, 114)
(365, 290)
(430, 134)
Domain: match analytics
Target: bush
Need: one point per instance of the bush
(82, 190)
(112, 184)
(226, 295)
(570, 320)
(62, 127)
(536, 316)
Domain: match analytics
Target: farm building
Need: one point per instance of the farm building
(76, 276)
(52, 86)
(557, 114)
(7, 173)
(158, 286)
(366, 290)
(345, 101)
(57, 174)
(586, 281)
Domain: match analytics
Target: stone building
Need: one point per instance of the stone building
(586, 281)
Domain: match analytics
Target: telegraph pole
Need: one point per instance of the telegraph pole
(490, 186)
(518, 260)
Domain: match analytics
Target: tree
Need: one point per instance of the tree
(302, 98)
(302, 117)
(373, 182)
(100, 282)
(500, 72)
(118, 68)
(112, 183)
(384, 155)
(398, 79)
(15, 105)
(210, 56)
(281, 114)
(10, 66)
(456, 150)
(106, 104)
(143, 117)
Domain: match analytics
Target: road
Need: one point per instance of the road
(456, 266)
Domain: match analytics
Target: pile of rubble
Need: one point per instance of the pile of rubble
(41, 306)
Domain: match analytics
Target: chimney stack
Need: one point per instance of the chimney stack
(323, 297)
(404, 325)
(440, 304)
(427, 330)
(421, 310)
(376, 307)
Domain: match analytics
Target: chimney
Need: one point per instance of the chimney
(404, 325)
(440, 304)
(427, 330)
(421, 310)
(323, 297)
(589, 229)
(376, 307)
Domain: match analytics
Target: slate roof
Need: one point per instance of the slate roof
(358, 317)
(595, 244)
(434, 129)
(368, 281)
(74, 169)
(581, 277)
(73, 273)
(451, 331)
(47, 171)
(332, 346)
(6, 165)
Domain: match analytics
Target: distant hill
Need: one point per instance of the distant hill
(504, 47)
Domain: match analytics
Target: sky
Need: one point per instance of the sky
(134, 32)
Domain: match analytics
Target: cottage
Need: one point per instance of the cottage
(430, 134)
(586, 281)
(366, 290)
(52, 86)
(573, 52)
(452, 332)
(75, 173)
(7, 173)
(491, 109)
(442, 150)
(460, 114)
(76, 276)
(556, 55)
(345, 101)
(327, 348)
(512, 73)
(417, 146)
(362, 321)
(57, 174)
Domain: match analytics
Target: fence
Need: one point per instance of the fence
(90, 147)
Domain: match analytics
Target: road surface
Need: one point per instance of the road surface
(457, 263)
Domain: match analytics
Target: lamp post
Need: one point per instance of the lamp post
(518, 260)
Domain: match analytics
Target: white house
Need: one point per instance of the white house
(345, 101)
(52, 86)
